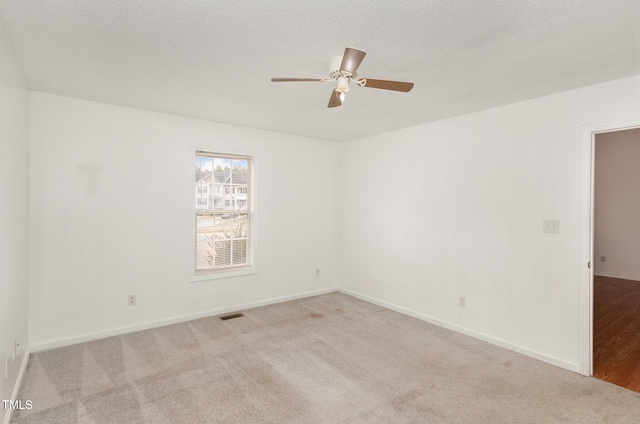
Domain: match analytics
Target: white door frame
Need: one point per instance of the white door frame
(586, 233)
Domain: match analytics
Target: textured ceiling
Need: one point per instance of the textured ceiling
(214, 59)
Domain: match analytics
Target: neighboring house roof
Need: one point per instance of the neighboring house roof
(238, 176)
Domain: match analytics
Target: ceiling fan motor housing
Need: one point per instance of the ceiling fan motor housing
(334, 68)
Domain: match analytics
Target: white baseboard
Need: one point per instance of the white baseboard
(67, 341)
(51, 344)
(469, 332)
(16, 390)
(620, 277)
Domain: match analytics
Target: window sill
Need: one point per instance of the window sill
(215, 275)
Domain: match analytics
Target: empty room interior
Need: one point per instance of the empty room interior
(336, 212)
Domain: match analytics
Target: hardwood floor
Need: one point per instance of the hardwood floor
(616, 331)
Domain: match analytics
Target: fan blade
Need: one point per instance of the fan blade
(294, 79)
(387, 85)
(335, 101)
(351, 60)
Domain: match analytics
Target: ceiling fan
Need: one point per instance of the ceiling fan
(343, 70)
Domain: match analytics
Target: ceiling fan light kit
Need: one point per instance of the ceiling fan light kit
(343, 85)
(342, 69)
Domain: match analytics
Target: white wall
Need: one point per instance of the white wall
(128, 230)
(617, 205)
(455, 208)
(14, 213)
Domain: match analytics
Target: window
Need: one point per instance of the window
(223, 233)
(202, 189)
(202, 202)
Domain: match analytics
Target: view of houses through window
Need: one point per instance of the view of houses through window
(223, 212)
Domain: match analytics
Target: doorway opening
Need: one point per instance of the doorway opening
(616, 254)
(586, 267)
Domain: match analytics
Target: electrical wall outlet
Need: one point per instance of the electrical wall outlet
(551, 226)
(132, 300)
(462, 301)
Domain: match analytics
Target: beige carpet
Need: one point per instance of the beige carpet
(325, 359)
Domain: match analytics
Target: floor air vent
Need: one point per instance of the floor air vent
(230, 316)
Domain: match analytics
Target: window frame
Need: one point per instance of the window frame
(233, 270)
